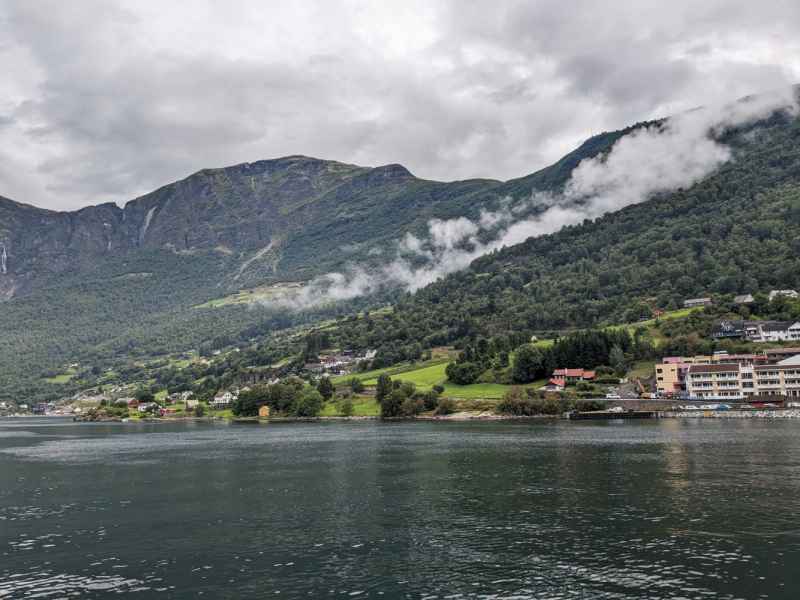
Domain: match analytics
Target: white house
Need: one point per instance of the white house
(794, 331)
(789, 293)
(772, 332)
(554, 385)
(745, 298)
(222, 398)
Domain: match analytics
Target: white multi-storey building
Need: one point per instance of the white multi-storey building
(732, 381)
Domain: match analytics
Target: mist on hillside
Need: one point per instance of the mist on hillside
(677, 152)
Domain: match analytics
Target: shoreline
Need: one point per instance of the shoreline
(781, 414)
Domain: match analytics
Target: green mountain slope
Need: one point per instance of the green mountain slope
(734, 233)
(106, 281)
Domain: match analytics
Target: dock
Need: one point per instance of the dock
(598, 415)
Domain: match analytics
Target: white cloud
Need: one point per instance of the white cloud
(107, 100)
(645, 163)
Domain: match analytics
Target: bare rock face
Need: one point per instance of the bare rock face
(303, 209)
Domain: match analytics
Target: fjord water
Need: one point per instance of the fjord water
(685, 508)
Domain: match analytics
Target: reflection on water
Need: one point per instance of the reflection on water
(541, 509)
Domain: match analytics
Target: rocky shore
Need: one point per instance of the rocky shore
(733, 414)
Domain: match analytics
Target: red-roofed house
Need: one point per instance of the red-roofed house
(133, 403)
(554, 385)
(573, 374)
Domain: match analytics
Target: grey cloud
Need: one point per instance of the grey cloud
(109, 100)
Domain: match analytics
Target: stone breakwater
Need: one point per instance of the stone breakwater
(732, 414)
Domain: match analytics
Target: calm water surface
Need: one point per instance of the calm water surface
(537, 509)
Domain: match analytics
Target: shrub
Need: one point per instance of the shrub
(356, 385)
(589, 405)
(200, 410)
(408, 388)
(515, 402)
(392, 404)
(438, 388)
(430, 399)
(446, 406)
(463, 374)
(412, 406)
(614, 380)
(309, 405)
(325, 388)
(348, 408)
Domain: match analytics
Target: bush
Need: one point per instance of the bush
(438, 388)
(412, 406)
(614, 380)
(446, 406)
(589, 405)
(325, 388)
(392, 404)
(348, 408)
(200, 410)
(408, 388)
(463, 374)
(517, 401)
(356, 385)
(309, 405)
(430, 399)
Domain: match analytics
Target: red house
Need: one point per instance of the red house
(133, 403)
(573, 374)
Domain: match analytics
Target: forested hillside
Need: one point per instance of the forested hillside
(734, 233)
(106, 282)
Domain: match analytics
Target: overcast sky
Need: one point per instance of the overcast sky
(105, 101)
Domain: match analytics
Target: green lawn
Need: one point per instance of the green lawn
(543, 343)
(425, 378)
(363, 405)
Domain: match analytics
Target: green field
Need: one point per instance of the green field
(425, 378)
(59, 378)
(363, 406)
(244, 297)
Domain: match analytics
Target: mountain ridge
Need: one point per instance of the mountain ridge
(305, 208)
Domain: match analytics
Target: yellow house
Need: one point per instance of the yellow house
(263, 411)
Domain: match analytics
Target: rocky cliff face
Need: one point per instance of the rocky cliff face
(294, 217)
(242, 209)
